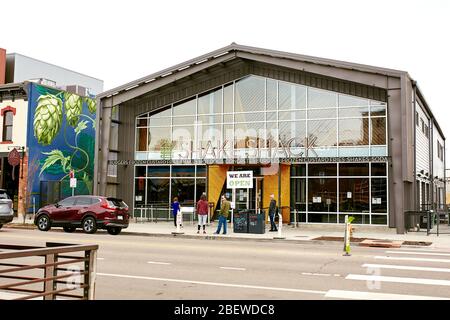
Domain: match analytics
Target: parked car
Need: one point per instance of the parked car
(6, 208)
(86, 212)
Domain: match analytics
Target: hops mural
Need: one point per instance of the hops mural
(64, 128)
(73, 106)
(47, 118)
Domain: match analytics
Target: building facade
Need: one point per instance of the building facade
(51, 131)
(327, 138)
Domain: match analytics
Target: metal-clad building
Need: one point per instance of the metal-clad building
(327, 138)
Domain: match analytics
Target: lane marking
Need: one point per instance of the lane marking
(371, 278)
(233, 268)
(389, 266)
(412, 259)
(157, 262)
(420, 253)
(361, 295)
(218, 284)
(320, 274)
(100, 258)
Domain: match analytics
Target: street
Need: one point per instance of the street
(142, 267)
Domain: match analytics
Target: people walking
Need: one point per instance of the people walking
(223, 215)
(272, 211)
(175, 210)
(202, 212)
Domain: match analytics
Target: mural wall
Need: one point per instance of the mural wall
(61, 138)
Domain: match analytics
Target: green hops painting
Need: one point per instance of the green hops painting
(73, 106)
(91, 104)
(47, 118)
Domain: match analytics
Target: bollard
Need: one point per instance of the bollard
(295, 218)
(179, 222)
(280, 224)
(348, 228)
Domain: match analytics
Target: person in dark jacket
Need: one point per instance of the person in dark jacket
(202, 212)
(272, 212)
(175, 210)
(225, 207)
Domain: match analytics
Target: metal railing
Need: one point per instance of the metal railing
(426, 219)
(63, 273)
(153, 213)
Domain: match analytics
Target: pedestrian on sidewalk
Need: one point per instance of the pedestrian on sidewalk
(202, 212)
(272, 211)
(223, 215)
(175, 210)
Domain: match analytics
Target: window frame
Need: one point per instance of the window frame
(6, 126)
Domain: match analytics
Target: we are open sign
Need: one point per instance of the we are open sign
(239, 179)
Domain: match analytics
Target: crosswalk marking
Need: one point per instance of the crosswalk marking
(398, 279)
(361, 295)
(420, 253)
(389, 266)
(412, 259)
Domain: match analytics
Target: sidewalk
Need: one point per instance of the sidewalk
(300, 234)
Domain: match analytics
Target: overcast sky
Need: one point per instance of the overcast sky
(120, 41)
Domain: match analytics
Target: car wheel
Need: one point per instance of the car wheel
(43, 223)
(114, 230)
(69, 229)
(89, 225)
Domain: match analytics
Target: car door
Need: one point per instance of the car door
(62, 213)
(82, 204)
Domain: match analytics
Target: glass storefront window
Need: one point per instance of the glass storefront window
(354, 113)
(353, 195)
(139, 191)
(377, 111)
(318, 98)
(228, 98)
(201, 188)
(350, 101)
(321, 113)
(322, 194)
(160, 122)
(322, 218)
(249, 94)
(378, 131)
(298, 170)
(159, 138)
(158, 171)
(379, 195)
(141, 139)
(271, 95)
(201, 171)
(183, 171)
(322, 170)
(379, 219)
(298, 194)
(322, 133)
(158, 191)
(291, 96)
(183, 189)
(140, 171)
(359, 218)
(186, 108)
(354, 132)
(210, 102)
(379, 169)
(354, 169)
(290, 115)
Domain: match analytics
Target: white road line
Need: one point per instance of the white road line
(212, 283)
(157, 262)
(420, 253)
(233, 268)
(100, 258)
(320, 274)
(361, 295)
(412, 259)
(364, 277)
(389, 266)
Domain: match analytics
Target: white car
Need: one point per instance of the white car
(6, 208)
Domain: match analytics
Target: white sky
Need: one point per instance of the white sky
(120, 41)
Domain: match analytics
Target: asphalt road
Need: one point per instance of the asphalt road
(139, 267)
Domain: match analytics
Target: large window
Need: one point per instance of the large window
(8, 117)
(257, 112)
(327, 192)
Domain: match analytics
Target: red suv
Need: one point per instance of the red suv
(86, 212)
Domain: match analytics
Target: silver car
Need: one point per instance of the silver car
(6, 208)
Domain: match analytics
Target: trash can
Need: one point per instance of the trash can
(240, 222)
(256, 223)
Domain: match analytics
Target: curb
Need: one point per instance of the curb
(218, 238)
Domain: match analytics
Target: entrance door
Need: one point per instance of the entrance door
(249, 199)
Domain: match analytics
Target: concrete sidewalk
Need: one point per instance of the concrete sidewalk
(290, 233)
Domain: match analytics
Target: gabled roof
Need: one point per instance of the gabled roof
(233, 48)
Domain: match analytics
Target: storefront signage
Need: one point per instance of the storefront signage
(254, 161)
(239, 179)
(317, 199)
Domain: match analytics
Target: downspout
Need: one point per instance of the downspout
(416, 200)
(431, 163)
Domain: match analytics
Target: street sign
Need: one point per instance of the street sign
(239, 179)
(73, 182)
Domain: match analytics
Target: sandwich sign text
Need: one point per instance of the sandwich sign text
(239, 179)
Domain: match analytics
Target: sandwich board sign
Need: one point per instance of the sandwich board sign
(239, 179)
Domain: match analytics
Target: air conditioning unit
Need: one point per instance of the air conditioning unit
(77, 89)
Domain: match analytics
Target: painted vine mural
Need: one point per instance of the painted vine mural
(62, 138)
